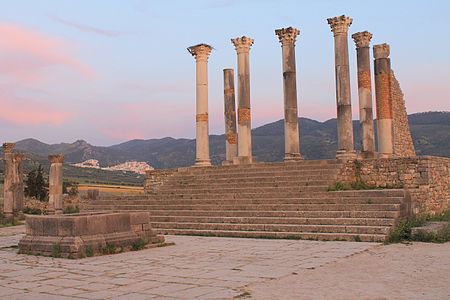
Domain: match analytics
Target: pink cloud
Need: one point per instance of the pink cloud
(25, 54)
(20, 111)
(86, 28)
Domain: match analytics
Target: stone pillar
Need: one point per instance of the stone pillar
(8, 185)
(242, 46)
(287, 37)
(339, 27)
(362, 41)
(231, 150)
(201, 53)
(55, 182)
(17, 186)
(382, 68)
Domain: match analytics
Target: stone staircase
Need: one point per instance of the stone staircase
(278, 200)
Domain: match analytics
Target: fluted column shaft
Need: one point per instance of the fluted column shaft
(287, 38)
(8, 190)
(231, 147)
(339, 27)
(55, 182)
(242, 46)
(382, 68)
(362, 41)
(18, 191)
(201, 53)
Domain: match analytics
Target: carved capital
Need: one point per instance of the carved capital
(18, 157)
(287, 36)
(200, 51)
(242, 44)
(56, 158)
(8, 147)
(362, 39)
(339, 25)
(381, 51)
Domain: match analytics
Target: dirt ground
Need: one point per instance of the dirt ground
(398, 271)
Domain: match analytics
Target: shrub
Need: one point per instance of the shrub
(56, 251)
(71, 210)
(89, 251)
(139, 245)
(32, 211)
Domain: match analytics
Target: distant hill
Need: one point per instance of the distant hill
(430, 131)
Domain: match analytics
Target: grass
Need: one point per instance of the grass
(71, 210)
(359, 185)
(56, 251)
(139, 245)
(402, 231)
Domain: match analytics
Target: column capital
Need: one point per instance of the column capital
(8, 147)
(362, 39)
(339, 25)
(242, 44)
(200, 51)
(287, 36)
(381, 51)
(56, 158)
(17, 157)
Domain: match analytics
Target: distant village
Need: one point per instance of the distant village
(138, 167)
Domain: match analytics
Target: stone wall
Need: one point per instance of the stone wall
(403, 143)
(154, 179)
(427, 179)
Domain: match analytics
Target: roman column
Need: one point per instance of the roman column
(362, 41)
(339, 27)
(230, 116)
(382, 68)
(242, 46)
(55, 182)
(201, 54)
(287, 37)
(17, 186)
(8, 189)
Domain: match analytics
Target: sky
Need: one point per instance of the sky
(108, 71)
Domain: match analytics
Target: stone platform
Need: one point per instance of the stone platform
(87, 234)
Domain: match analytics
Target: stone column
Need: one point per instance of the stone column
(287, 37)
(230, 116)
(201, 53)
(55, 182)
(17, 186)
(339, 27)
(362, 40)
(242, 46)
(382, 68)
(8, 185)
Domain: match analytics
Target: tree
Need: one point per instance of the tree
(36, 186)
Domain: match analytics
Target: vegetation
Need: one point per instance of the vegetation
(402, 231)
(32, 211)
(35, 185)
(56, 251)
(139, 245)
(71, 210)
(89, 251)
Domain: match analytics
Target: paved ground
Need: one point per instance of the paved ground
(224, 268)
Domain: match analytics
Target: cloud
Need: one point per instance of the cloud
(86, 28)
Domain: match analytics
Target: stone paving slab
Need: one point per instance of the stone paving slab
(194, 268)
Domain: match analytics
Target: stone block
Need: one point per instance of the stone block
(430, 228)
(139, 218)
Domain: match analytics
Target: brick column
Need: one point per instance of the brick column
(339, 27)
(55, 195)
(8, 185)
(287, 37)
(201, 54)
(242, 45)
(231, 149)
(362, 41)
(382, 68)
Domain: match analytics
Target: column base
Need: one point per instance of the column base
(368, 155)
(227, 163)
(243, 160)
(8, 217)
(291, 157)
(345, 155)
(385, 155)
(202, 163)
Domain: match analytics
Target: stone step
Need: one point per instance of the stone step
(279, 235)
(257, 173)
(263, 182)
(272, 220)
(226, 190)
(265, 207)
(256, 213)
(231, 201)
(275, 227)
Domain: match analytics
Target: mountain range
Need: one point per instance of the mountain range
(430, 131)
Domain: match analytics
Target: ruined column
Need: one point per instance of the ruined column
(8, 185)
(287, 37)
(231, 150)
(55, 182)
(382, 68)
(242, 46)
(17, 186)
(339, 27)
(201, 53)
(362, 41)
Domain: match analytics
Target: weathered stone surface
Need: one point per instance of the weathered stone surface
(231, 148)
(429, 228)
(72, 235)
(55, 182)
(13, 182)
